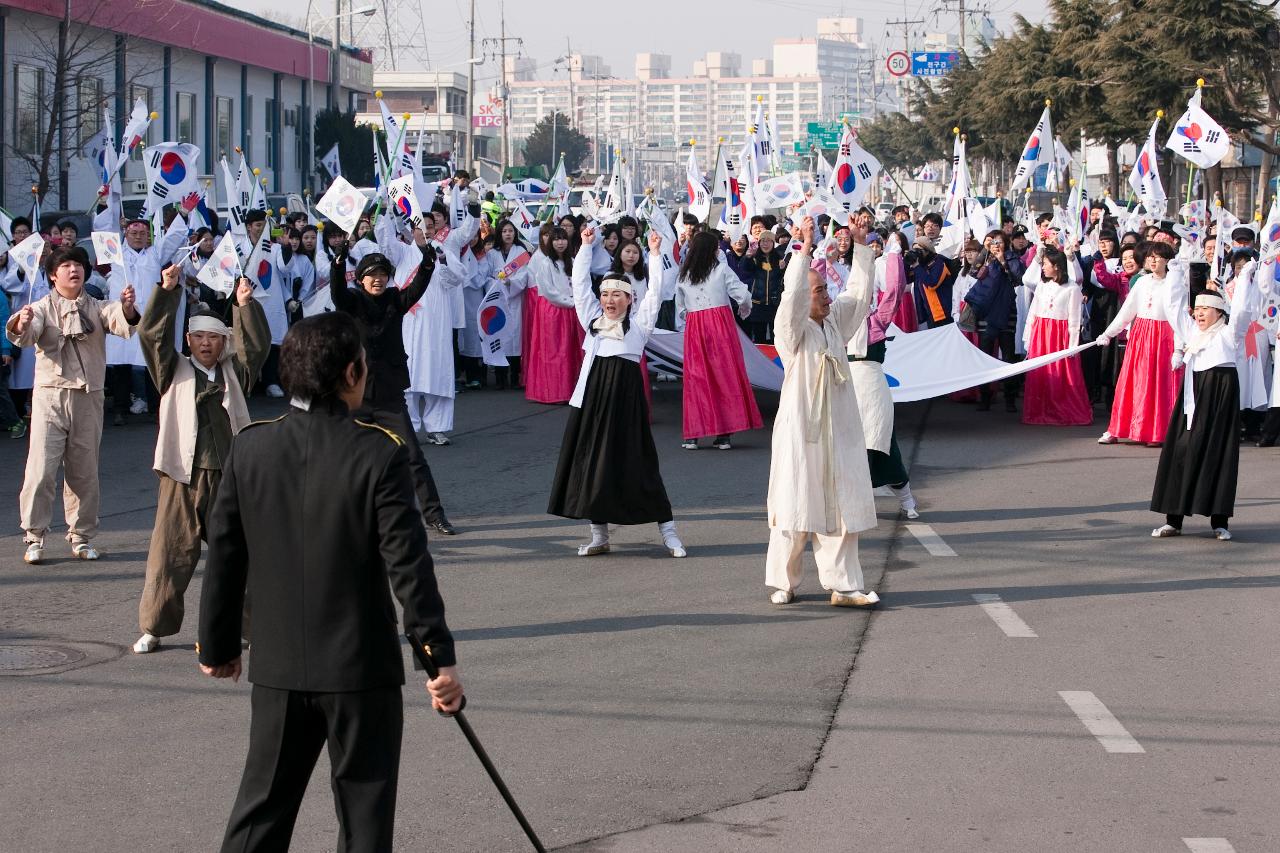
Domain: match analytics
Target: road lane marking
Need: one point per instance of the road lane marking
(932, 542)
(1100, 722)
(1003, 615)
(1208, 845)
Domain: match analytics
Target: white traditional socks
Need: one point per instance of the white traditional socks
(670, 539)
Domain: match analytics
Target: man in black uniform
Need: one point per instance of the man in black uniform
(327, 662)
(380, 311)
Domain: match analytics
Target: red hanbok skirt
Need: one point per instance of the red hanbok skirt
(1146, 388)
(1055, 395)
(718, 399)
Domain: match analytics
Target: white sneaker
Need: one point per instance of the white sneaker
(85, 551)
(34, 554)
(671, 540)
(856, 598)
(275, 391)
(1222, 533)
(138, 406)
(689, 444)
(1165, 530)
(146, 644)
(438, 438)
(593, 550)
(782, 596)
(1107, 438)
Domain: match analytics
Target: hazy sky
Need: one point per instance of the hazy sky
(685, 29)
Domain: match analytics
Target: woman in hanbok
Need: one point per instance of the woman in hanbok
(555, 341)
(608, 469)
(1055, 394)
(1200, 461)
(512, 273)
(718, 400)
(479, 264)
(1146, 387)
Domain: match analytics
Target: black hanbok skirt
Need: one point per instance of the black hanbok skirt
(1199, 466)
(608, 468)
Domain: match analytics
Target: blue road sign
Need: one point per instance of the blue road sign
(932, 64)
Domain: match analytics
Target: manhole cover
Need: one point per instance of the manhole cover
(27, 658)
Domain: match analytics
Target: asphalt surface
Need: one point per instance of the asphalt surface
(637, 702)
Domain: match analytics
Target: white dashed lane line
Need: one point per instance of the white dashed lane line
(1100, 722)
(1003, 615)
(1208, 845)
(931, 541)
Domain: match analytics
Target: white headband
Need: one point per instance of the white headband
(201, 323)
(616, 284)
(1212, 300)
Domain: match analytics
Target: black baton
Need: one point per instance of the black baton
(422, 652)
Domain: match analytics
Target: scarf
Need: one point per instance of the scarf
(605, 328)
(1202, 339)
(931, 296)
(73, 323)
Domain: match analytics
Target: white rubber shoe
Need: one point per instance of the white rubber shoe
(146, 644)
(1165, 530)
(599, 543)
(85, 551)
(1107, 438)
(1222, 533)
(856, 598)
(34, 554)
(782, 596)
(669, 538)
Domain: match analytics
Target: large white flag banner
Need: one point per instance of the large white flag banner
(854, 173)
(918, 366)
(1145, 177)
(342, 204)
(1038, 152)
(1197, 137)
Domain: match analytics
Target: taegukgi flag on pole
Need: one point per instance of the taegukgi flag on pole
(342, 204)
(404, 201)
(699, 197)
(1145, 177)
(106, 247)
(134, 130)
(782, 191)
(733, 216)
(854, 172)
(1197, 137)
(331, 162)
(27, 256)
(1039, 151)
(223, 267)
(172, 173)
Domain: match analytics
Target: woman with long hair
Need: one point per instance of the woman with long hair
(629, 263)
(479, 262)
(1055, 394)
(511, 273)
(718, 400)
(555, 340)
(608, 469)
(1146, 387)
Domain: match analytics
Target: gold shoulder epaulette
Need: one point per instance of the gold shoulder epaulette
(397, 439)
(269, 421)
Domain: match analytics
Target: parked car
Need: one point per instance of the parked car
(83, 221)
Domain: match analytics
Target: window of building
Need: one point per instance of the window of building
(89, 107)
(28, 86)
(186, 112)
(269, 131)
(300, 137)
(223, 125)
(455, 102)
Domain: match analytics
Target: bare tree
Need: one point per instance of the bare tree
(73, 58)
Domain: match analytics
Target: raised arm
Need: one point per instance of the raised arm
(584, 299)
(646, 313)
(1243, 303)
(1176, 299)
(156, 332)
(343, 298)
(851, 307)
(793, 308)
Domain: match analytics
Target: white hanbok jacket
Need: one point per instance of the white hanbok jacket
(819, 481)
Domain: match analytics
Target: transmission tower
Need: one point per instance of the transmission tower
(398, 33)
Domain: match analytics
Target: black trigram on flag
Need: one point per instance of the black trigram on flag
(155, 159)
(237, 215)
(864, 170)
(495, 345)
(159, 190)
(666, 262)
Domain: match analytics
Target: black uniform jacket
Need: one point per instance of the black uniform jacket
(316, 511)
(380, 318)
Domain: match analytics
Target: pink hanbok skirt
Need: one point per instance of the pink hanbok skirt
(1055, 395)
(718, 399)
(553, 356)
(1146, 389)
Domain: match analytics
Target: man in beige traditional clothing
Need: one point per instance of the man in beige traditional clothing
(68, 329)
(202, 405)
(819, 483)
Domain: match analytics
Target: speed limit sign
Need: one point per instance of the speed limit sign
(898, 63)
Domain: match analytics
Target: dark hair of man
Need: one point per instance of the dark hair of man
(1042, 218)
(67, 223)
(902, 208)
(463, 174)
(701, 258)
(640, 271)
(254, 215)
(935, 218)
(309, 229)
(1059, 261)
(62, 254)
(628, 221)
(1159, 249)
(315, 355)
(690, 219)
(201, 232)
(440, 209)
(20, 222)
(770, 221)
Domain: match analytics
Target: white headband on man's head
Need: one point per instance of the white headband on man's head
(616, 284)
(205, 323)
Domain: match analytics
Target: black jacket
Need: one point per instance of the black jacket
(380, 320)
(763, 274)
(316, 510)
(994, 299)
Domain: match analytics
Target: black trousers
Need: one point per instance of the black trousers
(288, 727)
(423, 483)
(270, 370)
(1000, 346)
(120, 383)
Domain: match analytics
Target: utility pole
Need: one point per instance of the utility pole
(960, 10)
(505, 91)
(470, 154)
(906, 25)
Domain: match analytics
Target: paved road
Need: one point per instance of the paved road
(636, 702)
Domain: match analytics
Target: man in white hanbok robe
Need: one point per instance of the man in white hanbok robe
(819, 481)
